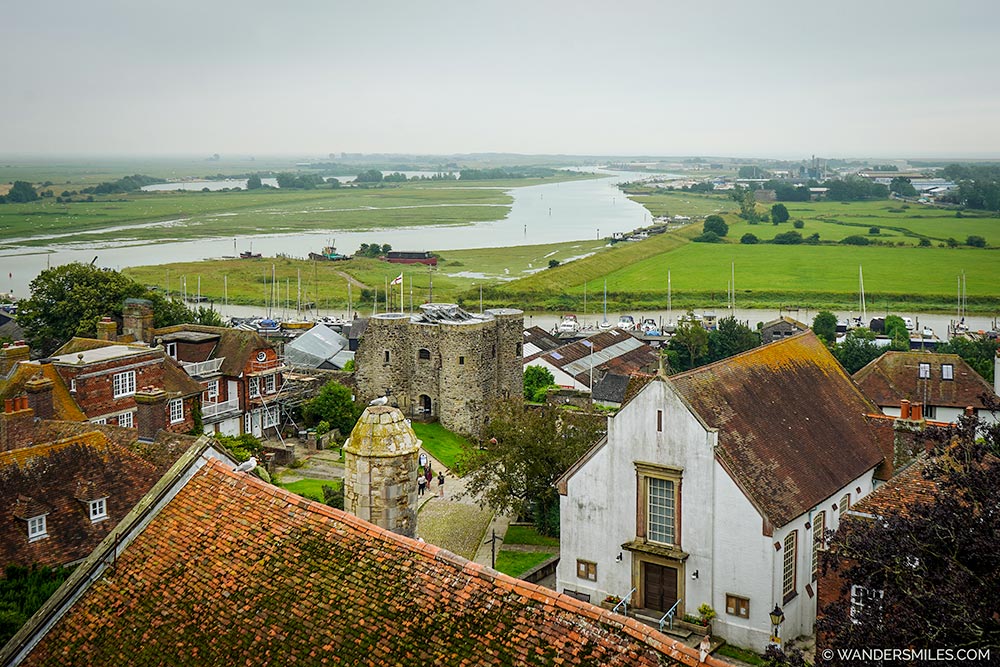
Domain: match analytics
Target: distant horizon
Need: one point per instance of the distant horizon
(684, 78)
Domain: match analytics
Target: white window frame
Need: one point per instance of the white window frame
(171, 350)
(270, 384)
(861, 597)
(248, 422)
(99, 420)
(661, 528)
(212, 391)
(98, 509)
(123, 384)
(126, 419)
(947, 372)
(37, 528)
(253, 387)
(72, 384)
(924, 371)
(176, 407)
(269, 418)
(819, 527)
(789, 566)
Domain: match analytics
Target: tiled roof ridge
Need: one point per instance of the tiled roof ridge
(22, 455)
(692, 372)
(644, 633)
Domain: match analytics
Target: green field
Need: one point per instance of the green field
(311, 488)
(528, 535)
(516, 563)
(442, 444)
(667, 203)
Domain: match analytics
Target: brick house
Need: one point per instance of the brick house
(712, 487)
(944, 384)
(320, 585)
(64, 486)
(97, 380)
(239, 372)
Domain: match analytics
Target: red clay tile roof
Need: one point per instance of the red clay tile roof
(792, 426)
(895, 376)
(60, 476)
(899, 493)
(233, 571)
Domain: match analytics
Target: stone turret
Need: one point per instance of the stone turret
(380, 470)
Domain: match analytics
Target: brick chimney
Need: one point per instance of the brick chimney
(17, 424)
(11, 354)
(107, 329)
(151, 412)
(137, 319)
(39, 390)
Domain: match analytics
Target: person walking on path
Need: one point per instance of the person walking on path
(421, 484)
(441, 484)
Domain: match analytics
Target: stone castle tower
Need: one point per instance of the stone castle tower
(443, 362)
(380, 470)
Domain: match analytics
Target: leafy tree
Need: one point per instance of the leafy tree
(536, 379)
(242, 447)
(334, 496)
(787, 238)
(825, 326)
(854, 188)
(798, 224)
(749, 239)
(68, 301)
(22, 592)
(729, 338)
(978, 353)
(529, 448)
(254, 182)
(715, 223)
(902, 186)
(855, 239)
(708, 237)
(553, 263)
(208, 317)
(934, 560)
(857, 350)
(369, 176)
(924, 242)
(896, 329)
(779, 213)
(975, 241)
(21, 192)
(394, 177)
(333, 404)
(874, 231)
(689, 339)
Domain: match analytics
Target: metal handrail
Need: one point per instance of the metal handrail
(623, 601)
(670, 612)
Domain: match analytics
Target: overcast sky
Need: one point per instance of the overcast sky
(698, 77)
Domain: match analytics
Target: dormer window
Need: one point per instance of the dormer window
(72, 384)
(98, 509)
(171, 349)
(924, 371)
(36, 528)
(947, 372)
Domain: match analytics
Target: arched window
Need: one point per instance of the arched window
(424, 354)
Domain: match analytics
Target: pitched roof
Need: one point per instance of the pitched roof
(177, 382)
(61, 476)
(235, 571)
(614, 351)
(235, 345)
(899, 493)
(792, 426)
(316, 347)
(537, 340)
(611, 388)
(896, 375)
(63, 404)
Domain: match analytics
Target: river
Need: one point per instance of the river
(548, 213)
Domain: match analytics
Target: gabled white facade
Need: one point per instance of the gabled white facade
(723, 547)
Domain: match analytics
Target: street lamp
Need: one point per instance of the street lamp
(777, 617)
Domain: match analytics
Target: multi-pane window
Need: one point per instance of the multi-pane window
(123, 384)
(788, 566)
(924, 371)
(586, 569)
(72, 384)
(212, 391)
(864, 598)
(947, 372)
(661, 510)
(269, 384)
(176, 410)
(254, 387)
(738, 606)
(845, 503)
(98, 509)
(125, 419)
(36, 527)
(819, 527)
(270, 416)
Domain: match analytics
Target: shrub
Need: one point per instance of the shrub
(787, 238)
(924, 242)
(798, 224)
(874, 231)
(715, 223)
(749, 239)
(856, 239)
(976, 241)
(553, 263)
(708, 237)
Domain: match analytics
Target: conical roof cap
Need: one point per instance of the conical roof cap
(382, 431)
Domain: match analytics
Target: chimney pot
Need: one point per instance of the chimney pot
(8, 405)
(904, 409)
(917, 412)
(970, 411)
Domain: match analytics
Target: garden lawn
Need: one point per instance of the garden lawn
(528, 535)
(516, 563)
(442, 444)
(311, 488)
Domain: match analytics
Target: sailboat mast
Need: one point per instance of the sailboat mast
(605, 300)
